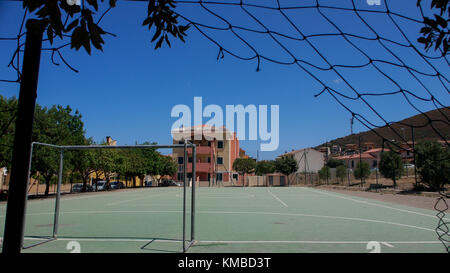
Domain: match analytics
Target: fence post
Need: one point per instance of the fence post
(58, 194)
(194, 178)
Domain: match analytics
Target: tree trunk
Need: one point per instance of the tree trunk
(47, 184)
(83, 189)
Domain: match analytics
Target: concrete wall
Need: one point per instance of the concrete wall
(314, 160)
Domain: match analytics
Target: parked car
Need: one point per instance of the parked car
(101, 186)
(408, 166)
(168, 183)
(117, 185)
(79, 188)
(150, 183)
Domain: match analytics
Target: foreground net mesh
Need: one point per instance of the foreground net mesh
(318, 37)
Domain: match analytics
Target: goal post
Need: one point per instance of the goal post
(187, 241)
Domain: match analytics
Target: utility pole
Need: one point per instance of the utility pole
(360, 160)
(15, 211)
(414, 154)
(326, 146)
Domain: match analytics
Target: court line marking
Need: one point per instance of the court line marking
(87, 195)
(233, 242)
(108, 239)
(274, 196)
(374, 204)
(319, 242)
(243, 212)
(226, 197)
(134, 199)
(387, 244)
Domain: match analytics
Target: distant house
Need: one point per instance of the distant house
(335, 150)
(368, 146)
(326, 151)
(372, 157)
(308, 159)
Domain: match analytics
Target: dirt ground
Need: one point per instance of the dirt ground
(413, 200)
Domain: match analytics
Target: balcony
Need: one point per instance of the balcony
(202, 150)
(200, 167)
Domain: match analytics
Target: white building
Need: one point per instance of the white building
(308, 159)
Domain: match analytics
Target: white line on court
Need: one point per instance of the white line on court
(320, 242)
(373, 204)
(134, 199)
(284, 204)
(388, 243)
(109, 239)
(241, 212)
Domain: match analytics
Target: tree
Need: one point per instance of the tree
(84, 30)
(83, 163)
(286, 165)
(324, 173)
(166, 165)
(435, 32)
(341, 172)
(264, 167)
(149, 164)
(104, 163)
(362, 170)
(334, 163)
(8, 107)
(433, 164)
(391, 166)
(244, 166)
(56, 125)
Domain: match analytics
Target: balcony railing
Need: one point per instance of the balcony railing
(200, 167)
(202, 150)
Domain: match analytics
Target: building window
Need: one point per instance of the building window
(220, 144)
(219, 177)
(220, 160)
(180, 176)
(209, 159)
(190, 159)
(180, 160)
(209, 143)
(181, 142)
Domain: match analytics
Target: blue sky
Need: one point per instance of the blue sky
(128, 90)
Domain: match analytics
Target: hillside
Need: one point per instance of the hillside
(426, 132)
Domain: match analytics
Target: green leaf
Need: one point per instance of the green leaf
(72, 25)
(441, 21)
(50, 34)
(167, 40)
(147, 21)
(93, 3)
(157, 33)
(159, 43)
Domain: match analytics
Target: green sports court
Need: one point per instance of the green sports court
(230, 219)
